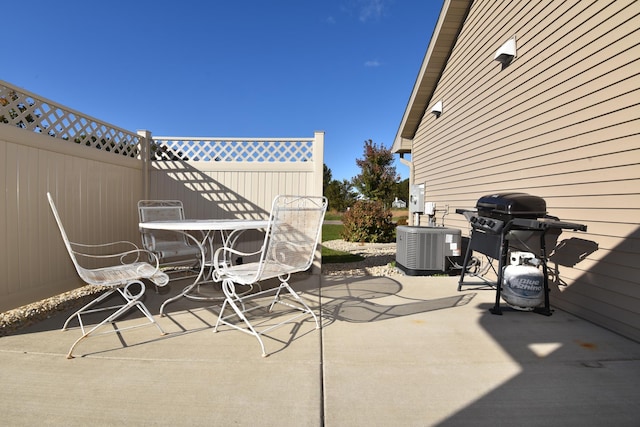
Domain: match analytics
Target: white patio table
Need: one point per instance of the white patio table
(228, 228)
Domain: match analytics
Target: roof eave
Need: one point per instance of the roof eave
(445, 33)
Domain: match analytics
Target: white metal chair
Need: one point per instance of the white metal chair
(120, 272)
(289, 247)
(173, 249)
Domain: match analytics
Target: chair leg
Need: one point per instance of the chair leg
(232, 299)
(131, 301)
(229, 291)
(276, 297)
(135, 299)
(295, 295)
(84, 310)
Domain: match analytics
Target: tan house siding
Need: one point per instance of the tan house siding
(562, 122)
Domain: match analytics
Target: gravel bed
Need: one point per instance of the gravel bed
(377, 262)
(21, 317)
(378, 259)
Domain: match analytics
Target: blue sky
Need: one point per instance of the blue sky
(229, 68)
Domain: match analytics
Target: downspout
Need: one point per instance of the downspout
(409, 164)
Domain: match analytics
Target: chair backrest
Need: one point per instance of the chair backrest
(295, 226)
(160, 210)
(65, 238)
(104, 272)
(83, 272)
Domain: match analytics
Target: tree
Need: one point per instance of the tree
(340, 194)
(326, 178)
(378, 177)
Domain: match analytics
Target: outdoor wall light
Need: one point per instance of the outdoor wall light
(506, 52)
(436, 110)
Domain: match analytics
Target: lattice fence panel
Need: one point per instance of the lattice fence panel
(233, 149)
(30, 112)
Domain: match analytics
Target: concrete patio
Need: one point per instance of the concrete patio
(392, 351)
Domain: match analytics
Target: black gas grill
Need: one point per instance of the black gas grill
(506, 222)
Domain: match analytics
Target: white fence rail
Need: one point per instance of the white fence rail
(97, 173)
(28, 111)
(282, 150)
(234, 177)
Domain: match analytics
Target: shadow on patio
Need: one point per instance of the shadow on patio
(392, 351)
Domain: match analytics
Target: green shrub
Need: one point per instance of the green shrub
(368, 221)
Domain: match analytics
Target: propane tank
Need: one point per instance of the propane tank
(523, 285)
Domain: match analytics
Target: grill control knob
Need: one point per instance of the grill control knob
(491, 223)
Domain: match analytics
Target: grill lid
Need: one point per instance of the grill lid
(521, 205)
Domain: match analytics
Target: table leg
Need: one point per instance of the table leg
(188, 289)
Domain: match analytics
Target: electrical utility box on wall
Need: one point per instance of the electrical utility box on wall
(416, 198)
(421, 251)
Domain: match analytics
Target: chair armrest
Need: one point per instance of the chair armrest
(220, 263)
(118, 262)
(104, 246)
(126, 257)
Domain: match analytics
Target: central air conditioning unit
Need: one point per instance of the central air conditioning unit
(421, 251)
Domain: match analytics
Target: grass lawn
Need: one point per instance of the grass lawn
(332, 232)
(332, 216)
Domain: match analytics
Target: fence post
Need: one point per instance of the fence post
(145, 154)
(318, 176)
(318, 161)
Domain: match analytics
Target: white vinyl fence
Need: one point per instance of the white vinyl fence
(97, 172)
